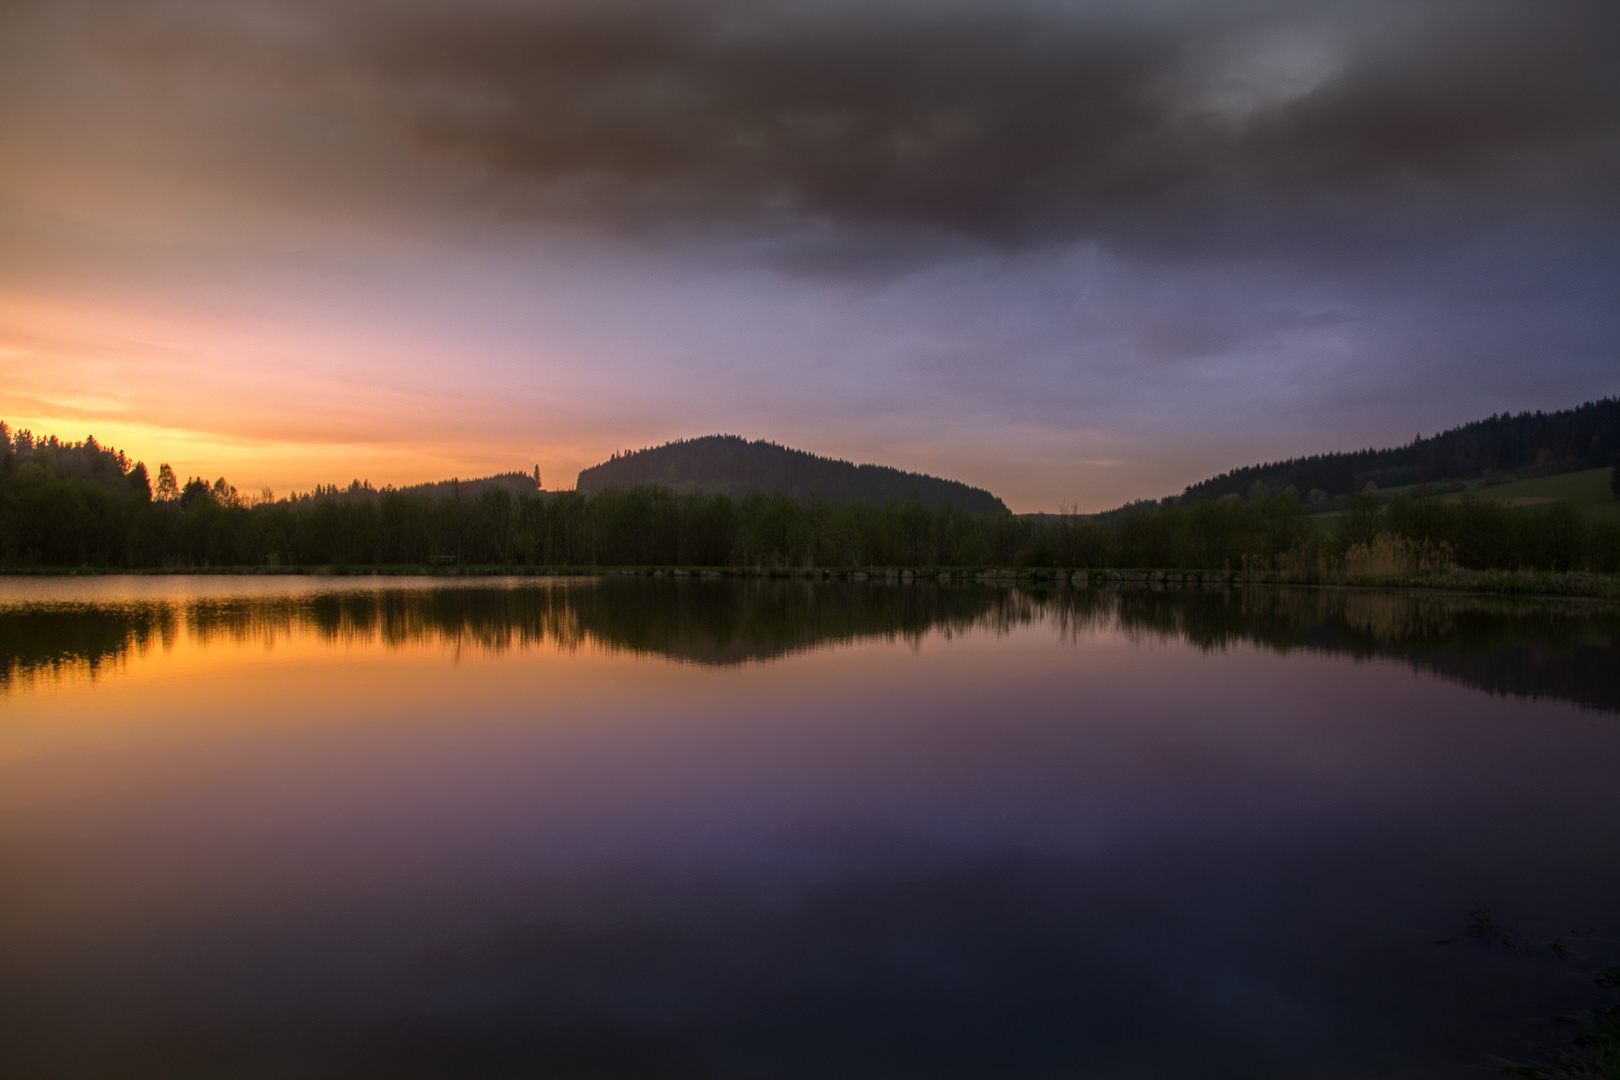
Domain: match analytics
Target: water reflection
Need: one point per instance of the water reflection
(325, 828)
(1561, 650)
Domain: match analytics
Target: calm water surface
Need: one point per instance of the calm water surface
(638, 828)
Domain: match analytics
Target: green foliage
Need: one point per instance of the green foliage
(1587, 489)
(1482, 534)
(1360, 521)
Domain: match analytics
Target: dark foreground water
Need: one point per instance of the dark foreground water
(639, 828)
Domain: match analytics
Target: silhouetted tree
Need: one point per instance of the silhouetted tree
(196, 489)
(139, 482)
(168, 488)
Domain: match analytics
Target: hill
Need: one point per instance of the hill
(518, 483)
(514, 483)
(734, 466)
(1525, 444)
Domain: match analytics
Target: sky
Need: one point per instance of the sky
(1075, 253)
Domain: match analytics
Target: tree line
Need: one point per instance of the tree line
(80, 504)
(1530, 443)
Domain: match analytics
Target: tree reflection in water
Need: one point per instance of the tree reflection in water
(1539, 649)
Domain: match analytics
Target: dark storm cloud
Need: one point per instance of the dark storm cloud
(1011, 124)
(1002, 123)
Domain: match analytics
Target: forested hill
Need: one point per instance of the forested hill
(518, 483)
(1584, 437)
(734, 466)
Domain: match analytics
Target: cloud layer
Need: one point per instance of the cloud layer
(1005, 123)
(1334, 220)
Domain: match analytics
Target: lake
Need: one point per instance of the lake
(633, 827)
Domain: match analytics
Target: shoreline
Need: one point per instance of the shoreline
(1527, 584)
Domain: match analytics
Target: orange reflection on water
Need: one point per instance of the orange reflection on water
(307, 791)
(225, 774)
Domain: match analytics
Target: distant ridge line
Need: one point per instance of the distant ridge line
(732, 465)
(1587, 436)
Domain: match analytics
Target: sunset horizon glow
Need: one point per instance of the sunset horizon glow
(1073, 254)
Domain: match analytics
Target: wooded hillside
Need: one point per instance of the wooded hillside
(1538, 443)
(729, 465)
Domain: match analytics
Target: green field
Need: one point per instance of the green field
(1588, 490)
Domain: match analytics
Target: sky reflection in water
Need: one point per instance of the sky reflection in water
(640, 828)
